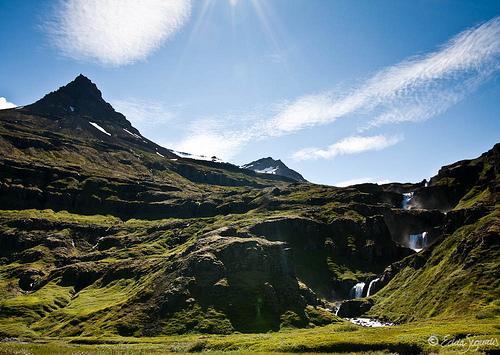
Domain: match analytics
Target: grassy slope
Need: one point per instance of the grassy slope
(101, 308)
(53, 308)
(460, 279)
(407, 339)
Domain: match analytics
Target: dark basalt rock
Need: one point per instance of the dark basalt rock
(354, 308)
(46, 188)
(312, 244)
(123, 270)
(402, 223)
(377, 193)
(30, 255)
(254, 273)
(250, 280)
(29, 279)
(105, 243)
(401, 188)
(79, 275)
(416, 261)
(454, 181)
(81, 97)
(458, 218)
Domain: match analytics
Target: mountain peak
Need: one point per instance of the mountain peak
(81, 76)
(82, 81)
(80, 97)
(272, 166)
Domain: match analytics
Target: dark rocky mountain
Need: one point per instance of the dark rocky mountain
(274, 167)
(108, 234)
(79, 98)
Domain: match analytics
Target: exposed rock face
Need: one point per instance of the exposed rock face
(28, 279)
(318, 246)
(354, 308)
(255, 274)
(454, 181)
(80, 275)
(402, 223)
(248, 281)
(274, 167)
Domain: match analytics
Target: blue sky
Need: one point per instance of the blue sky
(339, 90)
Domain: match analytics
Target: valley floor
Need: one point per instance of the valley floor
(436, 336)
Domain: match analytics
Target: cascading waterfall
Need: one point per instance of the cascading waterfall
(370, 286)
(357, 290)
(418, 241)
(406, 200)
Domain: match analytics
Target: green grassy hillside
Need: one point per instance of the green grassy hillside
(459, 278)
(110, 238)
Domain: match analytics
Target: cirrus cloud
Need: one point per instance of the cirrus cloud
(413, 90)
(349, 145)
(143, 113)
(410, 91)
(210, 137)
(115, 32)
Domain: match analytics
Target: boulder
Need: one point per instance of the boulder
(354, 308)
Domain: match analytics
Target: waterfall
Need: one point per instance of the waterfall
(372, 283)
(406, 200)
(357, 290)
(418, 241)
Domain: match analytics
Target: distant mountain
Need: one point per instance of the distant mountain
(275, 167)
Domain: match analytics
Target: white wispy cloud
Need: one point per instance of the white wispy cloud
(143, 113)
(414, 90)
(114, 32)
(362, 180)
(4, 104)
(349, 145)
(209, 145)
(211, 137)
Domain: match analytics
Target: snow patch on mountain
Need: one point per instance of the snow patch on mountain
(269, 170)
(132, 134)
(100, 128)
